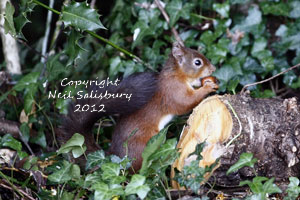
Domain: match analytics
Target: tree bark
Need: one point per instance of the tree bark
(268, 128)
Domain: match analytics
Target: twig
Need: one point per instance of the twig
(19, 190)
(266, 80)
(93, 2)
(26, 143)
(5, 180)
(46, 38)
(29, 47)
(167, 18)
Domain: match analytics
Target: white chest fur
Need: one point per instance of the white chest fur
(164, 120)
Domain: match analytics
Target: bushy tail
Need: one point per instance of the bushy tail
(142, 86)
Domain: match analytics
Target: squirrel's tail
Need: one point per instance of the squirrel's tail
(139, 87)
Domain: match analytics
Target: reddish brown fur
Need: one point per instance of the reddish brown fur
(173, 96)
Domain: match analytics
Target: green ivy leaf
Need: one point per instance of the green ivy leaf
(91, 179)
(54, 67)
(8, 141)
(67, 172)
(40, 139)
(63, 104)
(137, 186)
(25, 130)
(275, 8)
(140, 31)
(246, 159)
(224, 75)
(153, 144)
(222, 9)
(174, 8)
(295, 12)
(164, 157)
(81, 17)
(251, 22)
(270, 188)
(259, 45)
(256, 185)
(9, 26)
(251, 65)
(207, 37)
(106, 192)
(266, 59)
(28, 79)
(293, 189)
(94, 159)
(74, 144)
(233, 84)
(198, 151)
(110, 170)
(29, 97)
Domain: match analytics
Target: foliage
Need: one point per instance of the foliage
(192, 176)
(248, 41)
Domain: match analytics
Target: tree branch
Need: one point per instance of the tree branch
(167, 18)
(268, 79)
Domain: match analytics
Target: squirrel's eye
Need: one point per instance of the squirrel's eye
(198, 62)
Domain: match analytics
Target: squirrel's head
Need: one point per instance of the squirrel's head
(192, 63)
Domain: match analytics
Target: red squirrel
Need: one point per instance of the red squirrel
(176, 90)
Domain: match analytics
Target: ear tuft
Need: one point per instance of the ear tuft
(178, 52)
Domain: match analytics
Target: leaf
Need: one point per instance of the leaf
(8, 141)
(251, 65)
(224, 75)
(137, 186)
(94, 159)
(270, 188)
(207, 37)
(29, 97)
(65, 173)
(259, 45)
(246, 159)
(9, 26)
(110, 170)
(54, 67)
(140, 31)
(73, 49)
(26, 80)
(250, 23)
(256, 185)
(295, 12)
(105, 192)
(21, 20)
(266, 59)
(39, 139)
(91, 179)
(275, 8)
(152, 145)
(74, 144)
(25, 130)
(293, 189)
(174, 8)
(81, 17)
(165, 150)
(222, 9)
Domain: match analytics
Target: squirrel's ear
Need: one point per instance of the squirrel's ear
(178, 52)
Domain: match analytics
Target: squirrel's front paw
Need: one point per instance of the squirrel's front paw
(210, 83)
